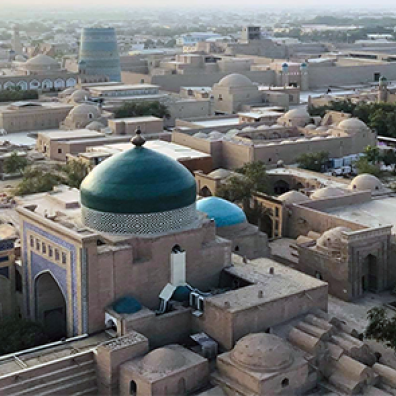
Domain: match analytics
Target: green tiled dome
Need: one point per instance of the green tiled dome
(138, 181)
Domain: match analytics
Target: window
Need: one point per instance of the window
(64, 258)
(44, 248)
(3, 259)
(18, 282)
(285, 382)
(50, 251)
(220, 98)
(59, 151)
(277, 212)
(56, 254)
(37, 245)
(31, 241)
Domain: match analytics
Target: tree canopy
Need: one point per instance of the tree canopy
(251, 177)
(380, 117)
(38, 179)
(138, 109)
(15, 163)
(19, 334)
(381, 327)
(15, 94)
(313, 161)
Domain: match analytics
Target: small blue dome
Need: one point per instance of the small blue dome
(223, 212)
(181, 294)
(285, 66)
(127, 305)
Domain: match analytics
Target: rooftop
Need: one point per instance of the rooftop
(284, 282)
(72, 135)
(121, 87)
(375, 213)
(172, 150)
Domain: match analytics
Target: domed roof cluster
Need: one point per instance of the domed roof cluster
(293, 197)
(328, 192)
(262, 352)
(235, 80)
(366, 182)
(223, 212)
(139, 191)
(332, 239)
(163, 359)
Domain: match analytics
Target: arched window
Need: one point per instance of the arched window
(132, 388)
(285, 382)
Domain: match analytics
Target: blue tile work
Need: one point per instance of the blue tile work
(5, 272)
(39, 264)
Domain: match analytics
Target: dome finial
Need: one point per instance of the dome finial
(138, 140)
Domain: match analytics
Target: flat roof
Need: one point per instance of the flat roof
(284, 282)
(71, 135)
(261, 115)
(172, 150)
(136, 119)
(215, 123)
(375, 213)
(325, 180)
(122, 87)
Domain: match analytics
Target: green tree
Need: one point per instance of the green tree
(256, 173)
(138, 109)
(15, 163)
(313, 161)
(36, 179)
(381, 327)
(15, 94)
(373, 154)
(236, 189)
(19, 334)
(75, 172)
(363, 165)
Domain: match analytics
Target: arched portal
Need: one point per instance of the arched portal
(50, 306)
(280, 187)
(205, 192)
(370, 278)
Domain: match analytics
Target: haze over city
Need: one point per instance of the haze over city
(197, 198)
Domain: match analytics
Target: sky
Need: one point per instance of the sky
(204, 3)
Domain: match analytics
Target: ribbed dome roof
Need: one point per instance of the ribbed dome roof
(220, 173)
(298, 113)
(163, 359)
(80, 95)
(293, 197)
(365, 182)
(352, 124)
(95, 126)
(331, 239)
(328, 192)
(223, 212)
(41, 60)
(85, 109)
(138, 180)
(262, 352)
(235, 80)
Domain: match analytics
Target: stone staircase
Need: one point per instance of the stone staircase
(71, 376)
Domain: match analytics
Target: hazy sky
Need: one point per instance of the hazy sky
(200, 3)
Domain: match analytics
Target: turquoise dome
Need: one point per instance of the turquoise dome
(181, 294)
(223, 212)
(138, 181)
